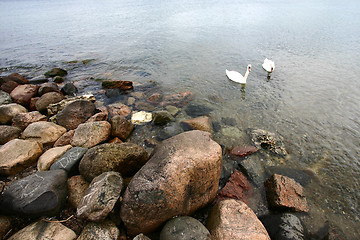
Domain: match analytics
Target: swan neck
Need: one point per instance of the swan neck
(246, 74)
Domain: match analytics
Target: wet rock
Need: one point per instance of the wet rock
(46, 99)
(48, 87)
(5, 98)
(181, 176)
(90, 134)
(253, 168)
(8, 133)
(9, 86)
(243, 151)
(155, 98)
(77, 186)
(130, 101)
(8, 111)
(169, 131)
(119, 109)
(70, 160)
(58, 107)
(202, 123)
(56, 72)
(285, 193)
(22, 120)
(184, 228)
(16, 77)
(44, 230)
(122, 85)
(143, 106)
(285, 226)
(233, 219)
(125, 158)
(172, 110)
(179, 99)
(65, 139)
(121, 127)
(58, 79)
(43, 132)
(269, 141)
(5, 225)
(140, 118)
(104, 231)
(100, 197)
(141, 237)
(229, 121)
(69, 89)
(227, 169)
(18, 154)
(162, 117)
(38, 80)
(238, 187)
(50, 156)
(301, 176)
(75, 113)
(196, 110)
(101, 116)
(114, 93)
(23, 93)
(40, 194)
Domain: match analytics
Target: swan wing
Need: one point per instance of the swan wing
(235, 76)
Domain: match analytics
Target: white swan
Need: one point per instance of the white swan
(268, 66)
(237, 77)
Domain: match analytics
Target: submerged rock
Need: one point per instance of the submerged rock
(197, 110)
(122, 85)
(162, 117)
(202, 123)
(269, 141)
(141, 117)
(181, 177)
(56, 72)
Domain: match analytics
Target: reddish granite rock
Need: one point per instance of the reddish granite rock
(123, 85)
(16, 77)
(119, 109)
(22, 120)
(242, 151)
(202, 123)
(155, 98)
(232, 219)
(285, 193)
(9, 86)
(181, 176)
(238, 187)
(178, 99)
(22, 94)
(101, 116)
(121, 127)
(32, 105)
(65, 139)
(9, 111)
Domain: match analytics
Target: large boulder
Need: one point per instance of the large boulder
(90, 134)
(40, 194)
(232, 219)
(48, 98)
(121, 127)
(22, 94)
(125, 158)
(8, 133)
(184, 228)
(100, 197)
(181, 176)
(285, 193)
(75, 113)
(18, 154)
(43, 132)
(50, 156)
(22, 120)
(105, 231)
(44, 230)
(8, 111)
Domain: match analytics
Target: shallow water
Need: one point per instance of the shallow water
(311, 100)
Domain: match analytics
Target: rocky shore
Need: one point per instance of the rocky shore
(146, 167)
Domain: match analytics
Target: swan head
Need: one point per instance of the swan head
(249, 67)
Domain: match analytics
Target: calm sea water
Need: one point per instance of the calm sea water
(312, 99)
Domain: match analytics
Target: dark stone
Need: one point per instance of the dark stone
(8, 133)
(303, 177)
(9, 86)
(243, 151)
(56, 72)
(112, 93)
(196, 110)
(38, 80)
(69, 89)
(283, 227)
(169, 131)
(121, 127)
(75, 113)
(122, 85)
(70, 160)
(59, 79)
(48, 87)
(48, 98)
(252, 167)
(40, 194)
(162, 117)
(229, 121)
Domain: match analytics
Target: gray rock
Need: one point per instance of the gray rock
(184, 228)
(75, 113)
(91, 133)
(121, 127)
(40, 194)
(96, 231)
(48, 87)
(58, 107)
(8, 111)
(162, 117)
(283, 227)
(48, 98)
(196, 110)
(70, 160)
(125, 158)
(4, 98)
(100, 197)
(69, 89)
(8, 133)
(253, 168)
